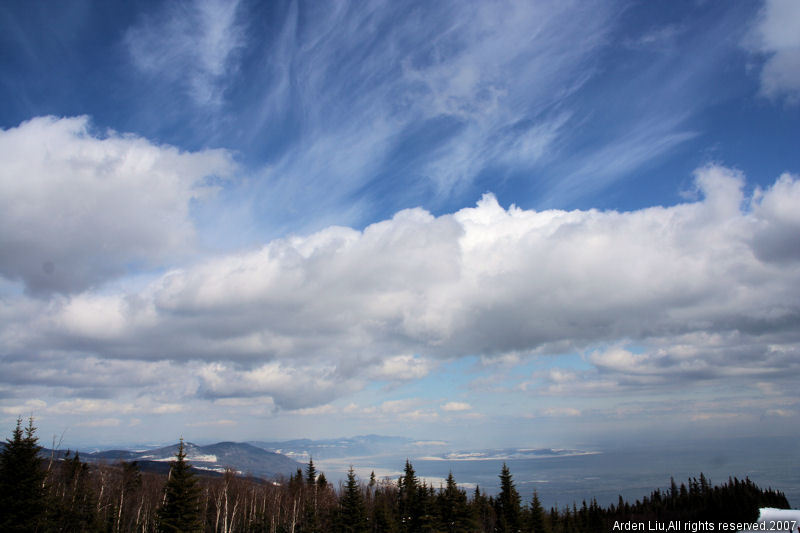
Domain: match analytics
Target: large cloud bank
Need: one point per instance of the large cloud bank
(777, 37)
(77, 210)
(708, 289)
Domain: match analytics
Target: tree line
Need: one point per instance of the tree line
(68, 495)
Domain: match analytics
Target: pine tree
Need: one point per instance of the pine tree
(454, 514)
(507, 503)
(409, 496)
(311, 473)
(352, 518)
(537, 515)
(22, 498)
(482, 511)
(181, 509)
(383, 519)
(310, 518)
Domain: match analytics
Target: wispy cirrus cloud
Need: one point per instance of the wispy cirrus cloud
(190, 44)
(419, 98)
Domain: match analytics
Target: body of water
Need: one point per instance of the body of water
(632, 472)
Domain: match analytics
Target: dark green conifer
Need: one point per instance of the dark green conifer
(310, 518)
(482, 511)
(352, 517)
(311, 473)
(453, 512)
(410, 500)
(181, 509)
(507, 503)
(537, 516)
(22, 498)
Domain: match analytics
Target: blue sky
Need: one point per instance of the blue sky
(556, 221)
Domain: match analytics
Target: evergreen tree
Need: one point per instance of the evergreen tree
(181, 509)
(453, 513)
(297, 483)
(482, 511)
(410, 500)
(352, 518)
(311, 473)
(507, 503)
(383, 519)
(537, 515)
(310, 519)
(22, 498)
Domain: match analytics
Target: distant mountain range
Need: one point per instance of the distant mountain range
(281, 459)
(378, 445)
(213, 459)
(360, 446)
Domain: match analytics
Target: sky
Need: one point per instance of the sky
(492, 223)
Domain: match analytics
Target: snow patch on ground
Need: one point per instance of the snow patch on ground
(778, 518)
(771, 519)
(219, 469)
(202, 458)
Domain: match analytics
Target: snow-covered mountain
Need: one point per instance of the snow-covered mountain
(243, 458)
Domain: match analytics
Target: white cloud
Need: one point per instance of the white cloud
(213, 423)
(777, 36)
(290, 386)
(168, 408)
(456, 406)
(401, 368)
(779, 217)
(100, 423)
(80, 406)
(561, 411)
(307, 319)
(785, 413)
(407, 409)
(400, 406)
(314, 411)
(76, 209)
(27, 408)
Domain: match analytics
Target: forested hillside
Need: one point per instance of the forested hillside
(67, 494)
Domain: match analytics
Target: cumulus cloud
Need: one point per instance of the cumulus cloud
(777, 212)
(401, 368)
(456, 406)
(77, 209)
(290, 386)
(410, 409)
(29, 406)
(561, 411)
(777, 37)
(214, 423)
(709, 288)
